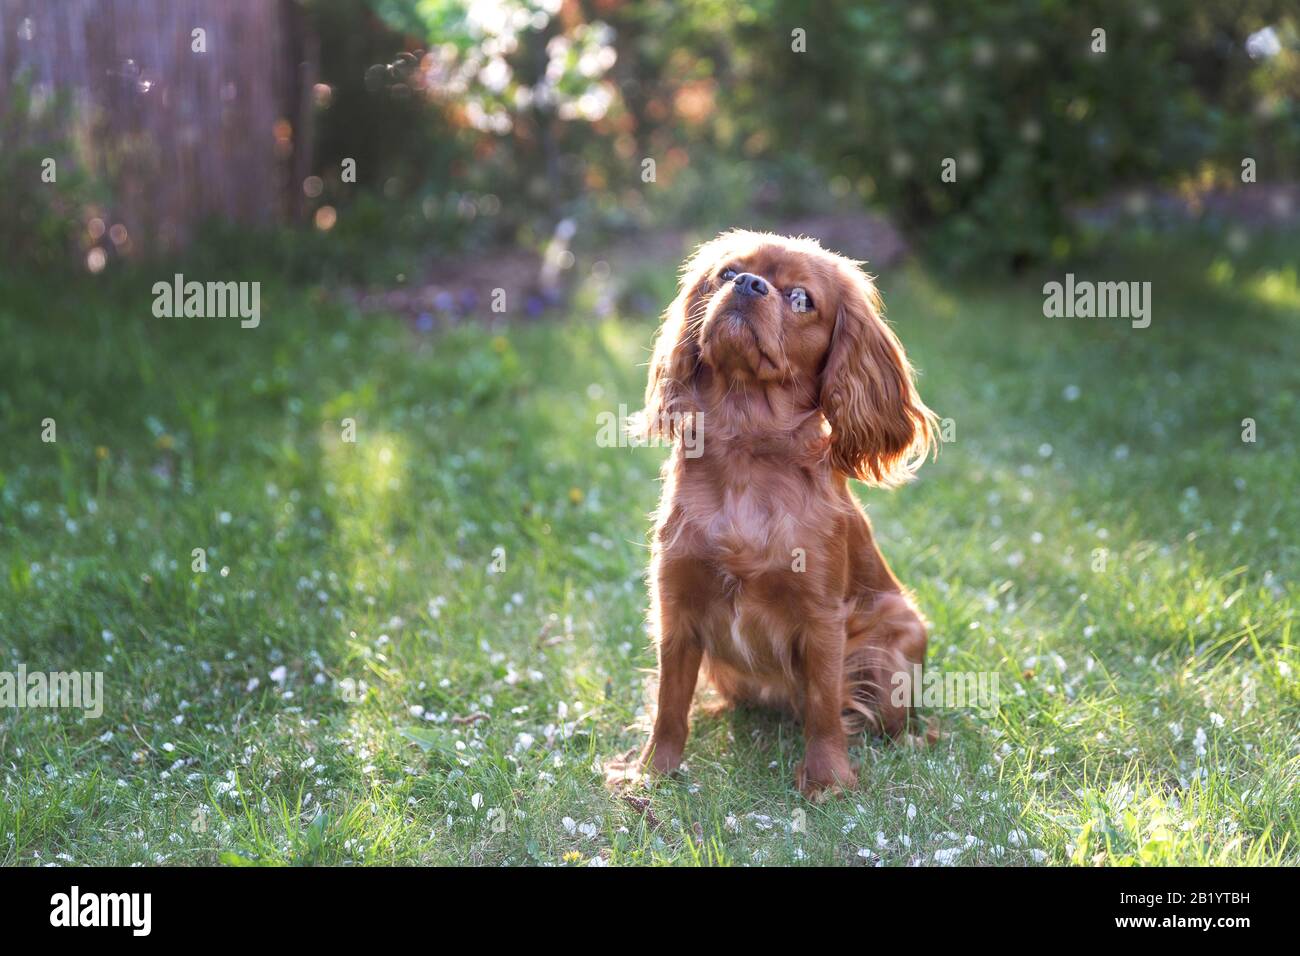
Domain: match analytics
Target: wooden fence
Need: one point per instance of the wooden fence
(175, 134)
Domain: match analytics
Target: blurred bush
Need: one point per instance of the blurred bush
(1020, 95)
(473, 124)
(559, 104)
(42, 222)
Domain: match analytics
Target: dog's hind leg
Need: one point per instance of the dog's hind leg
(883, 655)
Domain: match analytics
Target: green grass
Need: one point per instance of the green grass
(429, 710)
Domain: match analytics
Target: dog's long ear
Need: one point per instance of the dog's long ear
(676, 357)
(881, 431)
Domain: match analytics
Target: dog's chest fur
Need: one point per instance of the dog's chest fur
(743, 532)
(743, 525)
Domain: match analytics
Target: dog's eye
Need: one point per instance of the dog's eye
(728, 274)
(800, 300)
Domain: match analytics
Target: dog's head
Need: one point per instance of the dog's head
(757, 310)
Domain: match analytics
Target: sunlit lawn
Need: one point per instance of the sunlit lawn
(356, 679)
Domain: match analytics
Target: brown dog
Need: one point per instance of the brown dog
(765, 572)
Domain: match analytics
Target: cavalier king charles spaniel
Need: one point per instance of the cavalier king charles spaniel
(765, 574)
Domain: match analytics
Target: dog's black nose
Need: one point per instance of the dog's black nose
(749, 284)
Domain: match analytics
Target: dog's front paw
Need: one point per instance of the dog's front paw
(623, 771)
(662, 755)
(824, 774)
(657, 758)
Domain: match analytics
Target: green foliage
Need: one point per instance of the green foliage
(478, 122)
(1035, 110)
(493, 100)
(375, 239)
(42, 221)
(1037, 117)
